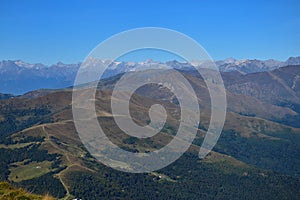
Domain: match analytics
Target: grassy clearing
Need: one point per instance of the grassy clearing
(162, 177)
(29, 171)
(227, 164)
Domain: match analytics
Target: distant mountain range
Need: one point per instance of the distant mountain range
(19, 77)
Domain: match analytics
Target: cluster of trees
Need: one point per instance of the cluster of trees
(46, 184)
(12, 118)
(188, 179)
(32, 153)
(281, 155)
(41, 185)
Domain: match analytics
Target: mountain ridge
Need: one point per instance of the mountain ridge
(18, 77)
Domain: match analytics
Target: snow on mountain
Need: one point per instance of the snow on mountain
(21, 63)
(250, 66)
(18, 77)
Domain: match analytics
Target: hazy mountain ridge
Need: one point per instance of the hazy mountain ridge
(19, 77)
(278, 87)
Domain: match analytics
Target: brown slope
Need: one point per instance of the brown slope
(276, 87)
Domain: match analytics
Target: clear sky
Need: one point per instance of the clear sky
(48, 31)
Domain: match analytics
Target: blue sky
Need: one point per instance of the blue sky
(51, 31)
